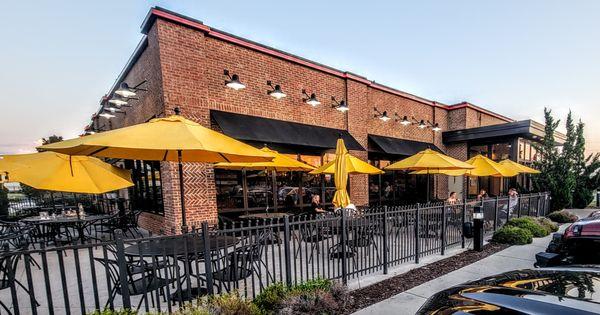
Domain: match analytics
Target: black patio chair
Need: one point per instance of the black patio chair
(140, 281)
(312, 235)
(237, 265)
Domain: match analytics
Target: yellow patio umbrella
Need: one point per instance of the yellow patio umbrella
(517, 167)
(280, 163)
(352, 165)
(483, 166)
(429, 162)
(172, 138)
(59, 172)
(341, 198)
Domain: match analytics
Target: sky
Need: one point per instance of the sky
(58, 58)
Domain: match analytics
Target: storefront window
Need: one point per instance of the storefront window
(146, 194)
(396, 187)
(293, 190)
(229, 186)
(478, 149)
(500, 151)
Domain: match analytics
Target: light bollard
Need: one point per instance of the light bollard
(478, 228)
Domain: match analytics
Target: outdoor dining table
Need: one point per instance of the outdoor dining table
(192, 247)
(267, 236)
(265, 215)
(80, 222)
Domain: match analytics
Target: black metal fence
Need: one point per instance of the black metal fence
(163, 272)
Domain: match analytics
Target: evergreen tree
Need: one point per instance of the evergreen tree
(586, 171)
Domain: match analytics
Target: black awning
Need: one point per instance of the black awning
(395, 146)
(265, 130)
(528, 129)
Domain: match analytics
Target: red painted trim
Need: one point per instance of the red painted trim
(345, 75)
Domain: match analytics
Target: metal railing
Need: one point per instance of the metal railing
(163, 272)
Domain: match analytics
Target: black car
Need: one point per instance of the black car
(572, 290)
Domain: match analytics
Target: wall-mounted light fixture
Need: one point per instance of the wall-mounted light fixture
(276, 91)
(120, 101)
(310, 99)
(107, 115)
(422, 124)
(341, 105)
(383, 116)
(126, 91)
(436, 127)
(404, 121)
(233, 81)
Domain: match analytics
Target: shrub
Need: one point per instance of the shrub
(512, 235)
(318, 301)
(223, 304)
(562, 216)
(320, 296)
(548, 224)
(530, 224)
(271, 297)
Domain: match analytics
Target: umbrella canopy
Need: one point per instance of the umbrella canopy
(59, 172)
(280, 163)
(483, 167)
(162, 139)
(341, 198)
(429, 160)
(519, 168)
(172, 138)
(352, 165)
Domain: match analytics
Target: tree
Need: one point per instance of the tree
(568, 175)
(551, 167)
(585, 170)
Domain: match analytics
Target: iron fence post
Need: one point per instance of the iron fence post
(537, 209)
(519, 207)
(464, 220)
(417, 224)
(344, 241)
(385, 240)
(207, 258)
(444, 214)
(286, 248)
(496, 213)
(122, 263)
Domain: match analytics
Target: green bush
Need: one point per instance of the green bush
(548, 224)
(512, 235)
(223, 304)
(318, 301)
(530, 224)
(271, 297)
(562, 216)
(318, 296)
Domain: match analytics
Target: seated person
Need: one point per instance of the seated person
(315, 205)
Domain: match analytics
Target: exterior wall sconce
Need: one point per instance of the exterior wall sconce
(233, 81)
(120, 101)
(276, 91)
(436, 127)
(422, 124)
(107, 115)
(126, 91)
(310, 100)
(404, 121)
(341, 105)
(383, 116)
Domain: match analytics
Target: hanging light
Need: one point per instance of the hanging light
(125, 91)
(234, 81)
(111, 108)
(311, 100)
(436, 127)
(276, 92)
(341, 105)
(422, 124)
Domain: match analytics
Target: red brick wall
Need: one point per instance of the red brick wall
(186, 67)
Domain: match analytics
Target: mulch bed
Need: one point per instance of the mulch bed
(380, 291)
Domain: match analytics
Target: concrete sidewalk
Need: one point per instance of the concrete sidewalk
(512, 258)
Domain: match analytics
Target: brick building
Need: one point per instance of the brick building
(182, 62)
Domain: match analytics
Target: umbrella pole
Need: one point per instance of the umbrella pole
(427, 185)
(181, 192)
